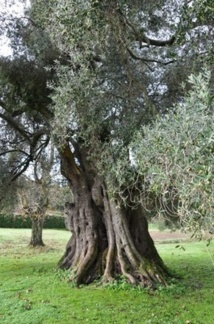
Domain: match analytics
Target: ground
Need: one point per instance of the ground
(167, 236)
(33, 291)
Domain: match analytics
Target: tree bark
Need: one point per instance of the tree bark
(36, 231)
(109, 240)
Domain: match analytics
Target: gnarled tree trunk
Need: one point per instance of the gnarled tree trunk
(107, 239)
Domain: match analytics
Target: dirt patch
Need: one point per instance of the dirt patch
(168, 236)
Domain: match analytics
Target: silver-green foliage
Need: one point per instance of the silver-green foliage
(177, 152)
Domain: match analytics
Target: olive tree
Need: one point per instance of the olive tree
(34, 194)
(122, 58)
(114, 67)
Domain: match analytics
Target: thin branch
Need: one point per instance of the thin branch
(40, 149)
(12, 151)
(143, 59)
(25, 165)
(35, 169)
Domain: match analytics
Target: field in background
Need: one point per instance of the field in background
(33, 291)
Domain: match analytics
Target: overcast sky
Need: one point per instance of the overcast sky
(16, 8)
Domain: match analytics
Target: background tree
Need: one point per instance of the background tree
(114, 70)
(34, 194)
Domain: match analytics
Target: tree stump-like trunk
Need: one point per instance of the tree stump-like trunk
(36, 231)
(109, 240)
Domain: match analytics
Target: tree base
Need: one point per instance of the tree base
(36, 244)
(111, 243)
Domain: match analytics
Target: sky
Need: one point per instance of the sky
(16, 8)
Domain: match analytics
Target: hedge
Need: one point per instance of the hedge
(17, 221)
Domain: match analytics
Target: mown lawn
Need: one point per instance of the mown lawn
(33, 291)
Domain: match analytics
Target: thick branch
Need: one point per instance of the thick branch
(15, 125)
(156, 42)
(36, 136)
(69, 167)
(141, 37)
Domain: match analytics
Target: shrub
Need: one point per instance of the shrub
(18, 221)
(161, 223)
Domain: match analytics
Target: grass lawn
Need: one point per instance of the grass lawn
(33, 291)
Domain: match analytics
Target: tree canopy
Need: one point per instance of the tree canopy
(173, 157)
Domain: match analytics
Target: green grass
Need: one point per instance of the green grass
(33, 291)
